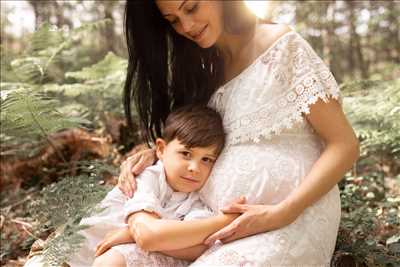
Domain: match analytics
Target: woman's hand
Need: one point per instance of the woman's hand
(113, 238)
(254, 219)
(132, 167)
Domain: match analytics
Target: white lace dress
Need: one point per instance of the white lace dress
(270, 149)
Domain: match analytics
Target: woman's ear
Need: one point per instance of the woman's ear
(160, 147)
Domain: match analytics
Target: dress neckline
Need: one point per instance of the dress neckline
(246, 69)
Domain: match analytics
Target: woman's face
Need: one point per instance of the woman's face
(199, 21)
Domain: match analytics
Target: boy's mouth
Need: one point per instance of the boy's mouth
(191, 179)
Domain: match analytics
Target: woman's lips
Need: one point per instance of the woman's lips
(200, 34)
(191, 179)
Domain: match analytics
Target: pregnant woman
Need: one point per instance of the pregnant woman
(288, 141)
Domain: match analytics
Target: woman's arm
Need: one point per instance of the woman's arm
(154, 234)
(189, 254)
(340, 152)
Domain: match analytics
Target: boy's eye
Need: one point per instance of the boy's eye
(208, 160)
(185, 153)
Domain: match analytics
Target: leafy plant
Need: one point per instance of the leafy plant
(374, 110)
(60, 207)
(47, 94)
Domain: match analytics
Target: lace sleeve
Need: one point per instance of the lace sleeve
(290, 77)
(309, 79)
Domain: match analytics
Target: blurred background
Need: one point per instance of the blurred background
(363, 34)
(63, 133)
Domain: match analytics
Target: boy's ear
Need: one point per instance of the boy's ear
(160, 147)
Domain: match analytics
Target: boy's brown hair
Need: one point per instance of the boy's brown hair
(195, 126)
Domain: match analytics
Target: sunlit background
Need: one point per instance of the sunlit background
(262, 9)
(351, 23)
(22, 18)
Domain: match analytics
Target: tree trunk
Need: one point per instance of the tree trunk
(42, 10)
(109, 34)
(355, 44)
(59, 14)
(395, 34)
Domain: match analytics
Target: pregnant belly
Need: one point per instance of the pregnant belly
(265, 174)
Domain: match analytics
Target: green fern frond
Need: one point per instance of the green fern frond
(60, 248)
(47, 45)
(68, 201)
(61, 206)
(26, 113)
(373, 108)
(6, 72)
(111, 66)
(30, 69)
(46, 36)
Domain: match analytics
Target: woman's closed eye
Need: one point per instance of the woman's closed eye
(192, 9)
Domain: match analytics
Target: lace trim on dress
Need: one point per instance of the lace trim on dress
(280, 115)
(307, 79)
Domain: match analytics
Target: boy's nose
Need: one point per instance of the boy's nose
(193, 167)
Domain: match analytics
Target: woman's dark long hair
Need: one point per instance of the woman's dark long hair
(166, 70)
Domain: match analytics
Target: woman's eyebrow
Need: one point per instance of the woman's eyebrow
(180, 6)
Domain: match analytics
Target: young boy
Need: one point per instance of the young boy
(165, 214)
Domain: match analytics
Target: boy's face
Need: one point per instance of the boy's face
(186, 169)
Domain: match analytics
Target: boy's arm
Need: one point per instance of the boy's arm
(154, 234)
(123, 236)
(113, 238)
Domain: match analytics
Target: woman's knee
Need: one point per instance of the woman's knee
(110, 258)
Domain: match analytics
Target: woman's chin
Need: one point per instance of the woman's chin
(205, 44)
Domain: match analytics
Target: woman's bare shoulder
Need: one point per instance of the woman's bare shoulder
(268, 34)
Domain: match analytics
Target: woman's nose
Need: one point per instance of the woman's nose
(187, 24)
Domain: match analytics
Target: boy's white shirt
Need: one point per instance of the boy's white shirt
(153, 194)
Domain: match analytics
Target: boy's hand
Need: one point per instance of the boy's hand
(113, 238)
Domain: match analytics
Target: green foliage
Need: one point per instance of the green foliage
(368, 210)
(98, 87)
(34, 105)
(6, 71)
(60, 248)
(370, 207)
(374, 110)
(108, 68)
(31, 114)
(44, 60)
(54, 87)
(62, 205)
